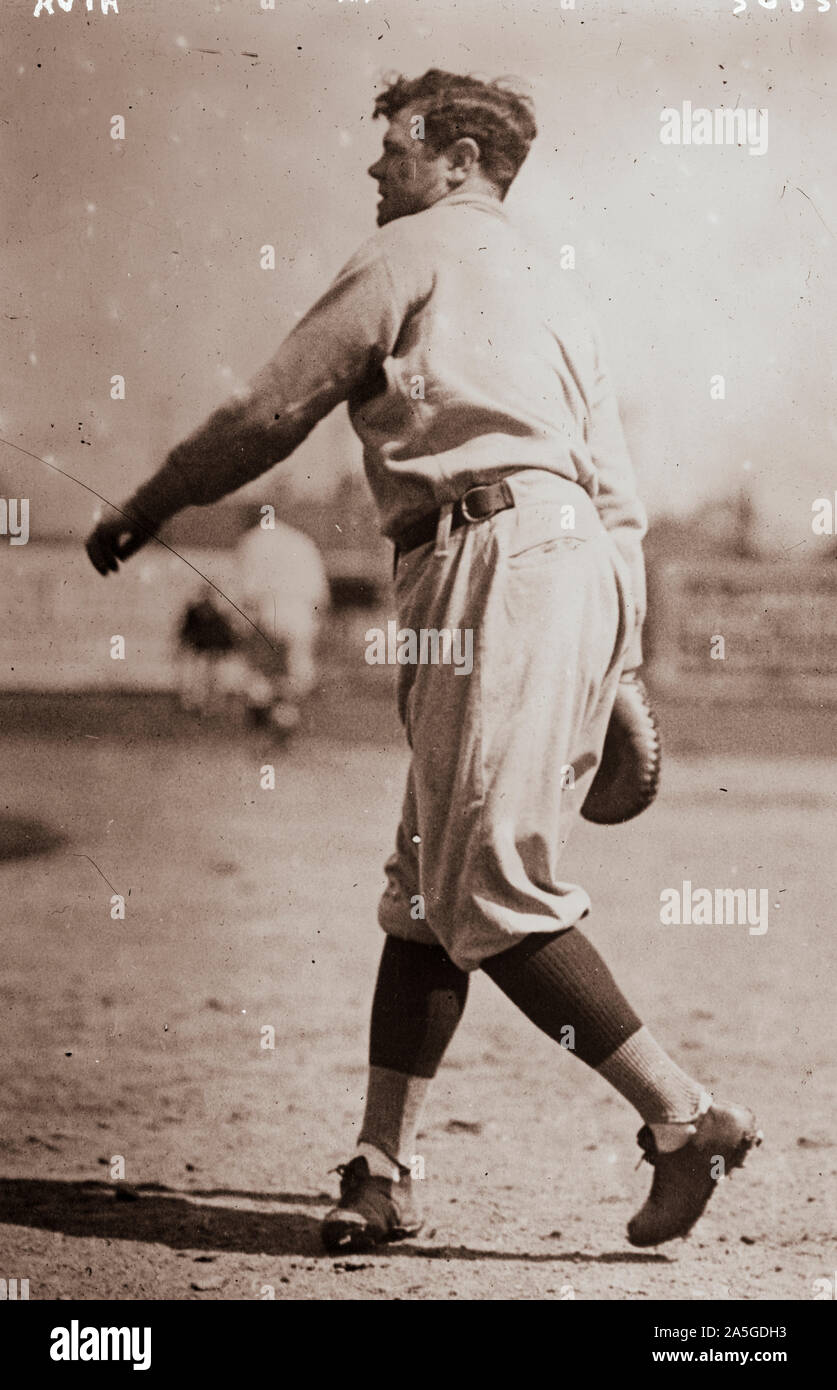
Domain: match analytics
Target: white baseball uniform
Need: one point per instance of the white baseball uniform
(464, 359)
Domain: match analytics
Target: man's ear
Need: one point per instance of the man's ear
(462, 156)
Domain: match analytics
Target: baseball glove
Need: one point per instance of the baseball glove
(629, 773)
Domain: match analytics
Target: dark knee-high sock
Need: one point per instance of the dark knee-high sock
(561, 983)
(419, 999)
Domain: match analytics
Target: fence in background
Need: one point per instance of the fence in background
(777, 623)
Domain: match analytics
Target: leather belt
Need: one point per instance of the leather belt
(477, 504)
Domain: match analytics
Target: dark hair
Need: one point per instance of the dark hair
(500, 119)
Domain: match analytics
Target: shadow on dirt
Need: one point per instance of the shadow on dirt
(160, 1216)
(24, 838)
(163, 1216)
(462, 1252)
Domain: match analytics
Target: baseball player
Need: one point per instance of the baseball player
(493, 447)
(283, 589)
(205, 659)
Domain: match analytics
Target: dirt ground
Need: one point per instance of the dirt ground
(251, 909)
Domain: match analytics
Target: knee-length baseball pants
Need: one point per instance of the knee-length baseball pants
(503, 754)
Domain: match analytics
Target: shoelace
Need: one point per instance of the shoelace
(648, 1144)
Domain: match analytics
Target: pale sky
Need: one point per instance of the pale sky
(141, 257)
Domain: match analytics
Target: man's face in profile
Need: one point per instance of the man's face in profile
(410, 176)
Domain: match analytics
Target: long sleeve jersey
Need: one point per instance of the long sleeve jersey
(461, 355)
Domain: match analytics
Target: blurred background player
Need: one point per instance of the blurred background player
(206, 666)
(281, 580)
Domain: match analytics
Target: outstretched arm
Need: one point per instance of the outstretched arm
(346, 335)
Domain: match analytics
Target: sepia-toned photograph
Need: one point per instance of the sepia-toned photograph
(418, 659)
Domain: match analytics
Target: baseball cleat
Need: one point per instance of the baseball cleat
(685, 1179)
(372, 1211)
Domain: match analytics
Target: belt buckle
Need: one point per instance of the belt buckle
(463, 503)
